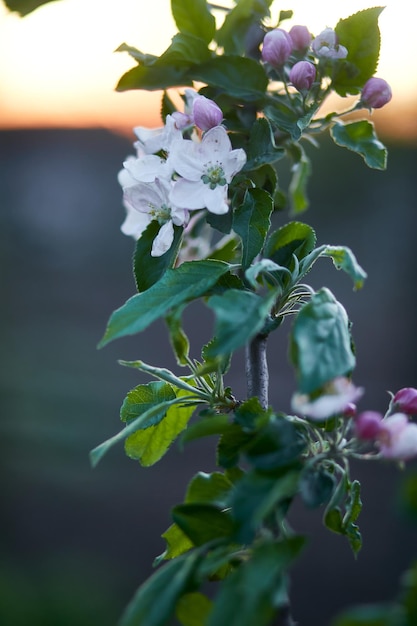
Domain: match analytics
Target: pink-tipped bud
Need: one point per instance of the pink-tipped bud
(405, 401)
(350, 410)
(368, 425)
(300, 37)
(376, 93)
(277, 47)
(303, 75)
(206, 113)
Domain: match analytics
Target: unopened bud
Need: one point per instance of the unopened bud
(405, 401)
(300, 37)
(376, 93)
(368, 425)
(277, 47)
(303, 75)
(206, 113)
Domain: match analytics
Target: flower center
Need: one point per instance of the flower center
(214, 176)
(160, 213)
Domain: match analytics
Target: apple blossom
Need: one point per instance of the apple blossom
(376, 93)
(302, 75)
(152, 140)
(326, 45)
(205, 169)
(338, 396)
(397, 438)
(300, 37)
(277, 47)
(405, 400)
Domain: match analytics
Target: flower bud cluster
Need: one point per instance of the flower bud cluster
(304, 61)
(184, 166)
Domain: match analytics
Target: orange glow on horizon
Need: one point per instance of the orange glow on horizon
(58, 67)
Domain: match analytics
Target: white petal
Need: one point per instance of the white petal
(404, 445)
(188, 194)
(216, 145)
(186, 159)
(163, 240)
(147, 168)
(135, 223)
(215, 200)
(143, 196)
(233, 163)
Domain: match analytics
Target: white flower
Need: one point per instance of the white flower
(151, 201)
(153, 140)
(205, 168)
(326, 45)
(397, 438)
(338, 395)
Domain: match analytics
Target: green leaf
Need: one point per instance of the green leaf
(261, 147)
(359, 33)
(240, 315)
(276, 446)
(24, 7)
(142, 398)
(154, 78)
(316, 486)
(287, 119)
(149, 446)
(353, 504)
(239, 77)
(294, 238)
(360, 137)
(232, 35)
(141, 57)
(251, 221)
(371, 615)
(149, 269)
(211, 488)
(202, 523)
(297, 193)
(264, 266)
(177, 543)
(177, 286)
(253, 592)
(333, 520)
(408, 496)
(321, 343)
(185, 50)
(194, 17)
(193, 609)
(179, 339)
(206, 427)
(250, 413)
(231, 444)
(154, 602)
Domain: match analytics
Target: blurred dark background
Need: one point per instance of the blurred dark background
(76, 542)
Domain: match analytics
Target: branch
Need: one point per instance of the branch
(257, 375)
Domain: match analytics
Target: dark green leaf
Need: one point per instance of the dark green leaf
(239, 77)
(231, 444)
(408, 493)
(142, 398)
(185, 50)
(250, 413)
(194, 17)
(179, 339)
(321, 343)
(24, 7)
(251, 221)
(154, 78)
(333, 520)
(211, 488)
(141, 57)
(202, 523)
(353, 504)
(232, 36)
(287, 119)
(316, 486)
(149, 269)
(206, 427)
(372, 615)
(240, 315)
(297, 191)
(252, 593)
(261, 147)
(359, 33)
(295, 238)
(277, 445)
(360, 137)
(154, 602)
(176, 287)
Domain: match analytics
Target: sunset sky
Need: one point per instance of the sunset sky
(58, 66)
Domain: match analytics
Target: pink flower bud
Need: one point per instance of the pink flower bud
(206, 113)
(376, 93)
(368, 425)
(405, 400)
(397, 438)
(277, 47)
(300, 37)
(350, 410)
(303, 75)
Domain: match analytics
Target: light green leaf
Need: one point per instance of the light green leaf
(154, 602)
(142, 398)
(179, 339)
(360, 137)
(149, 445)
(194, 17)
(321, 343)
(297, 193)
(251, 221)
(239, 77)
(176, 287)
(359, 33)
(211, 488)
(345, 260)
(193, 609)
(240, 315)
(177, 543)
